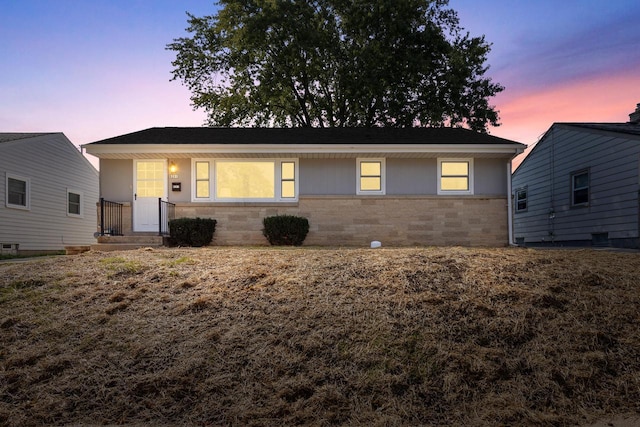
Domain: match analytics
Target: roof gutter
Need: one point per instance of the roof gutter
(97, 149)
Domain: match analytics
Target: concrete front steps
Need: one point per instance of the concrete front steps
(123, 243)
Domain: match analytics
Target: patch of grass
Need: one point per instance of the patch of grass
(119, 266)
(27, 284)
(20, 288)
(19, 256)
(181, 260)
(264, 336)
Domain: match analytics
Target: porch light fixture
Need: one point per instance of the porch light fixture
(173, 168)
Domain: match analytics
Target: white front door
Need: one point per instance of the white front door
(149, 186)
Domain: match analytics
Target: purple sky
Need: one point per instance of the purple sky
(96, 69)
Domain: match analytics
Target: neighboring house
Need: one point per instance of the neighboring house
(580, 186)
(415, 186)
(48, 193)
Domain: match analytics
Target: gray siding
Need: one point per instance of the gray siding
(613, 208)
(184, 178)
(323, 177)
(116, 180)
(403, 176)
(490, 178)
(52, 164)
(412, 176)
(327, 177)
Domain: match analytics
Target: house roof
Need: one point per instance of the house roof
(303, 136)
(302, 142)
(623, 128)
(14, 136)
(630, 131)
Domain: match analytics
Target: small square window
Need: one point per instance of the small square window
(74, 203)
(455, 176)
(371, 176)
(18, 190)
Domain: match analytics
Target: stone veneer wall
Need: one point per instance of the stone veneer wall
(356, 221)
(127, 218)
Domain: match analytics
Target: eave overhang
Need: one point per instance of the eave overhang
(138, 151)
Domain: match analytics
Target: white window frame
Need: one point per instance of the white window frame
(27, 205)
(194, 181)
(81, 194)
(282, 180)
(470, 177)
(383, 178)
(526, 198)
(213, 185)
(573, 175)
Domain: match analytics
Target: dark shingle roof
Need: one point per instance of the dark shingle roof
(303, 136)
(14, 136)
(624, 128)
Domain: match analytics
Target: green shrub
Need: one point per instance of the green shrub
(191, 231)
(285, 229)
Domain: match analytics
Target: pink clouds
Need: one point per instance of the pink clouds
(527, 114)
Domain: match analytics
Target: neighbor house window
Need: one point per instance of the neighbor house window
(455, 176)
(580, 188)
(370, 177)
(245, 180)
(521, 199)
(202, 180)
(74, 203)
(18, 190)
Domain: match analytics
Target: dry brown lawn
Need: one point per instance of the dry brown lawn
(264, 336)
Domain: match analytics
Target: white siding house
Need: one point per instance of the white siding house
(580, 186)
(48, 193)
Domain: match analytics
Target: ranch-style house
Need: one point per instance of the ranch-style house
(410, 186)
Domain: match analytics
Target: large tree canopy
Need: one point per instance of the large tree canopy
(331, 63)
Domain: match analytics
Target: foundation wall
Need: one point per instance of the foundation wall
(356, 221)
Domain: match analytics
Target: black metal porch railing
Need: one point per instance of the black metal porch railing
(110, 218)
(166, 212)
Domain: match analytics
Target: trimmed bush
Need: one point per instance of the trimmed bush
(286, 230)
(191, 231)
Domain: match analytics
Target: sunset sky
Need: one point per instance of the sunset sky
(97, 69)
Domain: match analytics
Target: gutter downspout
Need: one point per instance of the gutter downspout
(510, 204)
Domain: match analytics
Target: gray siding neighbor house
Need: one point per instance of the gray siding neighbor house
(580, 186)
(48, 194)
(415, 186)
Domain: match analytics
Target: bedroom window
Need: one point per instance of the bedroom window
(580, 188)
(245, 180)
(18, 190)
(74, 203)
(371, 178)
(455, 176)
(521, 199)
